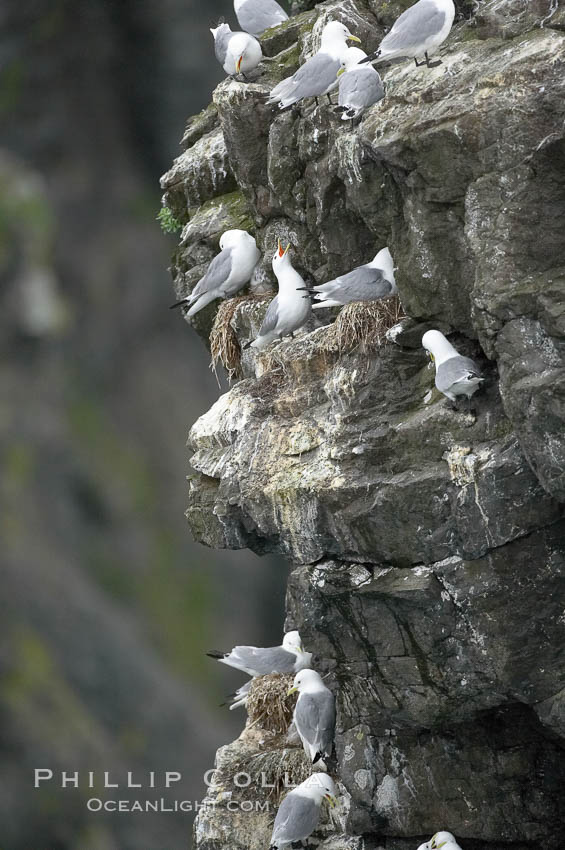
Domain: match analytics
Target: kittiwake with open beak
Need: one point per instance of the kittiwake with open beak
(289, 310)
(228, 272)
(299, 813)
(318, 75)
(455, 375)
(418, 32)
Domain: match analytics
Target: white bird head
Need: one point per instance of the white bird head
(335, 34)
(306, 680)
(438, 347)
(384, 261)
(230, 238)
(220, 30)
(425, 846)
(292, 642)
(281, 257)
(320, 787)
(351, 58)
(441, 838)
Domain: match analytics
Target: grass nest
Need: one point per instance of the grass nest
(224, 344)
(276, 771)
(363, 324)
(268, 705)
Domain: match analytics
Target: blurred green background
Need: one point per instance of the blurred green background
(106, 605)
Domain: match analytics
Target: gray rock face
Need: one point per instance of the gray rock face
(427, 543)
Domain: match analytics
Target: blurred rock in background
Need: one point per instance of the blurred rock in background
(107, 607)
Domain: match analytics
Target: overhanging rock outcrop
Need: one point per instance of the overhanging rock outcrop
(428, 544)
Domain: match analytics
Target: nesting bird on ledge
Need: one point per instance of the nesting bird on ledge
(419, 31)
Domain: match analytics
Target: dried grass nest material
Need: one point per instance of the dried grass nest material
(268, 705)
(224, 344)
(276, 770)
(363, 324)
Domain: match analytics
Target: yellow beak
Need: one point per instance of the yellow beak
(238, 64)
(331, 800)
(353, 38)
(293, 690)
(340, 72)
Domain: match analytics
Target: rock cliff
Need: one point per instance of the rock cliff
(427, 547)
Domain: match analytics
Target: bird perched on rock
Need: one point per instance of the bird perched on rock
(371, 282)
(419, 31)
(237, 52)
(231, 269)
(299, 813)
(255, 16)
(258, 661)
(443, 840)
(289, 310)
(455, 375)
(318, 75)
(314, 714)
(360, 86)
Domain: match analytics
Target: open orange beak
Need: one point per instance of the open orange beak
(281, 252)
(238, 65)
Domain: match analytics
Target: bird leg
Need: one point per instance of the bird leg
(427, 61)
(329, 97)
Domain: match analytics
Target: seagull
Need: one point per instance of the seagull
(444, 839)
(299, 812)
(318, 74)
(360, 86)
(228, 272)
(256, 661)
(256, 16)
(289, 310)
(455, 375)
(419, 31)
(371, 282)
(314, 714)
(237, 52)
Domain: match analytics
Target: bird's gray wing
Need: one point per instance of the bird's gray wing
(221, 46)
(264, 661)
(454, 370)
(414, 26)
(216, 275)
(256, 16)
(271, 319)
(362, 284)
(314, 716)
(296, 819)
(360, 88)
(315, 76)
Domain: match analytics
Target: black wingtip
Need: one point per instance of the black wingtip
(371, 57)
(316, 758)
(215, 654)
(178, 304)
(247, 345)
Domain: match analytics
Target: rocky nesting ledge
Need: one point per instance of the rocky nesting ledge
(427, 545)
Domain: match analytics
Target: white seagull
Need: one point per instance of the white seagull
(360, 86)
(314, 714)
(256, 16)
(455, 375)
(318, 75)
(258, 661)
(237, 52)
(299, 813)
(419, 31)
(371, 282)
(228, 272)
(289, 310)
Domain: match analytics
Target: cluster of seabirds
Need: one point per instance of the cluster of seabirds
(417, 33)
(314, 720)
